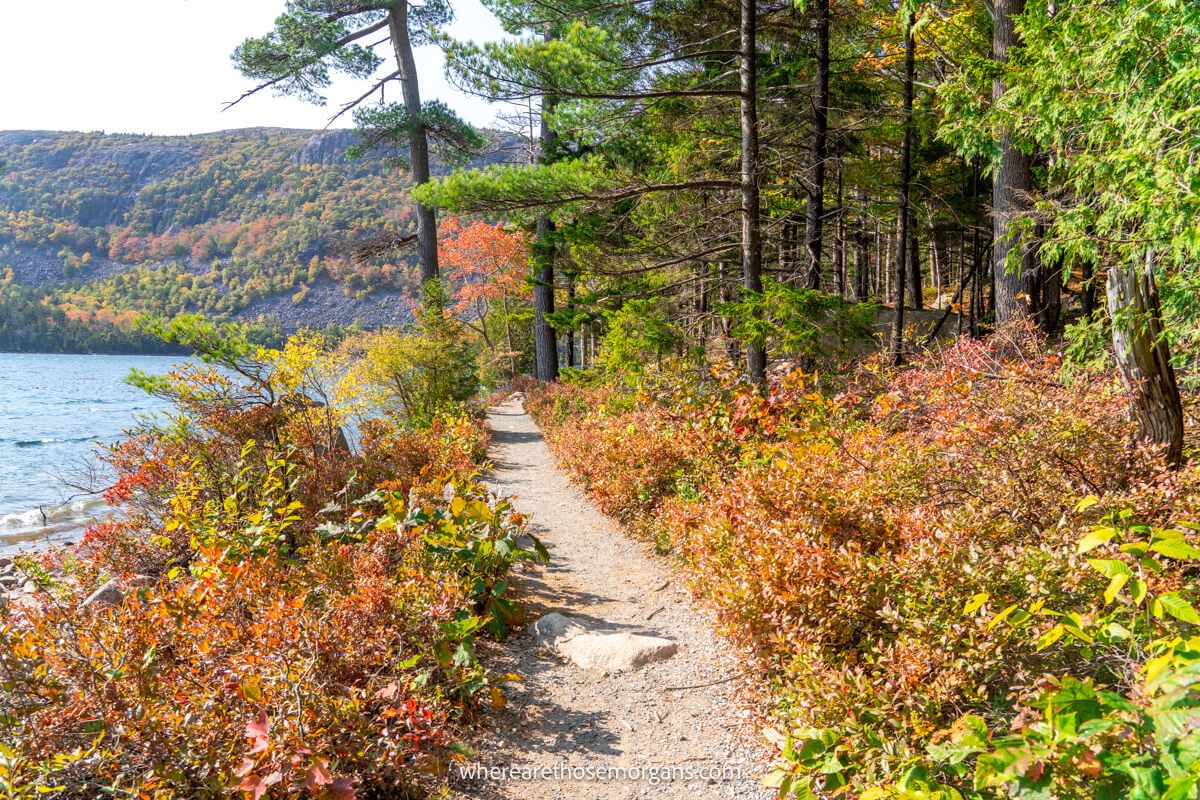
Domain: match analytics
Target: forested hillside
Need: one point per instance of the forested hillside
(255, 224)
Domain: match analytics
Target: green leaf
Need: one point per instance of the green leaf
(1178, 608)
(1175, 547)
(1050, 637)
(1114, 587)
(1003, 615)
(1098, 536)
(1110, 567)
(1137, 590)
(976, 603)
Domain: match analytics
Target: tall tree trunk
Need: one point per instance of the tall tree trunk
(1016, 292)
(839, 237)
(815, 208)
(916, 289)
(1050, 307)
(733, 347)
(545, 339)
(1087, 290)
(1144, 358)
(880, 285)
(862, 266)
(756, 354)
(570, 277)
(418, 139)
(897, 344)
(976, 284)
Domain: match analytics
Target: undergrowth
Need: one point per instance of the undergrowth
(895, 551)
(295, 618)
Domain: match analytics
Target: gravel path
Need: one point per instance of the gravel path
(678, 728)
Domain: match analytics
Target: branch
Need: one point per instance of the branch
(345, 40)
(358, 101)
(620, 194)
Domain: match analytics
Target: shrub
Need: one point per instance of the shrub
(420, 374)
(303, 618)
(840, 531)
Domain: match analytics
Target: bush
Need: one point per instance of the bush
(420, 374)
(839, 532)
(302, 621)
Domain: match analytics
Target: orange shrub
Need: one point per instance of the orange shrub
(840, 533)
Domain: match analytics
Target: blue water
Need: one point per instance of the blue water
(55, 411)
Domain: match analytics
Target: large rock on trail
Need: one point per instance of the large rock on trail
(604, 652)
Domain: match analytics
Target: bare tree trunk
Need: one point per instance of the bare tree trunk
(862, 263)
(1016, 288)
(570, 277)
(897, 343)
(728, 293)
(756, 354)
(839, 237)
(881, 267)
(1050, 305)
(1087, 290)
(1144, 358)
(976, 284)
(545, 339)
(418, 141)
(915, 286)
(815, 208)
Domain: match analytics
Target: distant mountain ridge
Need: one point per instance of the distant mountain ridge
(233, 224)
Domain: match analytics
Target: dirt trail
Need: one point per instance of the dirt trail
(679, 721)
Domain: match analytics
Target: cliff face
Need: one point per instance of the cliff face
(239, 223)
(326, 147)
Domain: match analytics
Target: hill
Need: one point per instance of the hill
(256, 224)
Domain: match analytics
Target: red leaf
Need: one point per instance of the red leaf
(317, 777)
(253, 786)
(341, 789)
(258, 732)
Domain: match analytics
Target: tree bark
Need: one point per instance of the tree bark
(815, 207)
(1050, 306)
(916, 289)
(756, 354)
(976, 284)
(862, 265)
(1087, 290)
(570, 278)
(1144, 358)
(897, 343)
(1016, 288)
(839, 237)
(418, 139)
(545, 338)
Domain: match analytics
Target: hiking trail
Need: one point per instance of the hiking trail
(683, 721)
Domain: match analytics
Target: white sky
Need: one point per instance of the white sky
(162, 66)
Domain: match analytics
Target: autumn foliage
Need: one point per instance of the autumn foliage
(839, 530)
(297, 619)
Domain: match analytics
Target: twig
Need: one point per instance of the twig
(701, 685)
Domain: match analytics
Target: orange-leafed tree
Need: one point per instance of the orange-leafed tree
(487, 266)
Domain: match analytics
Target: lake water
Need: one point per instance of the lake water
(55, 410)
